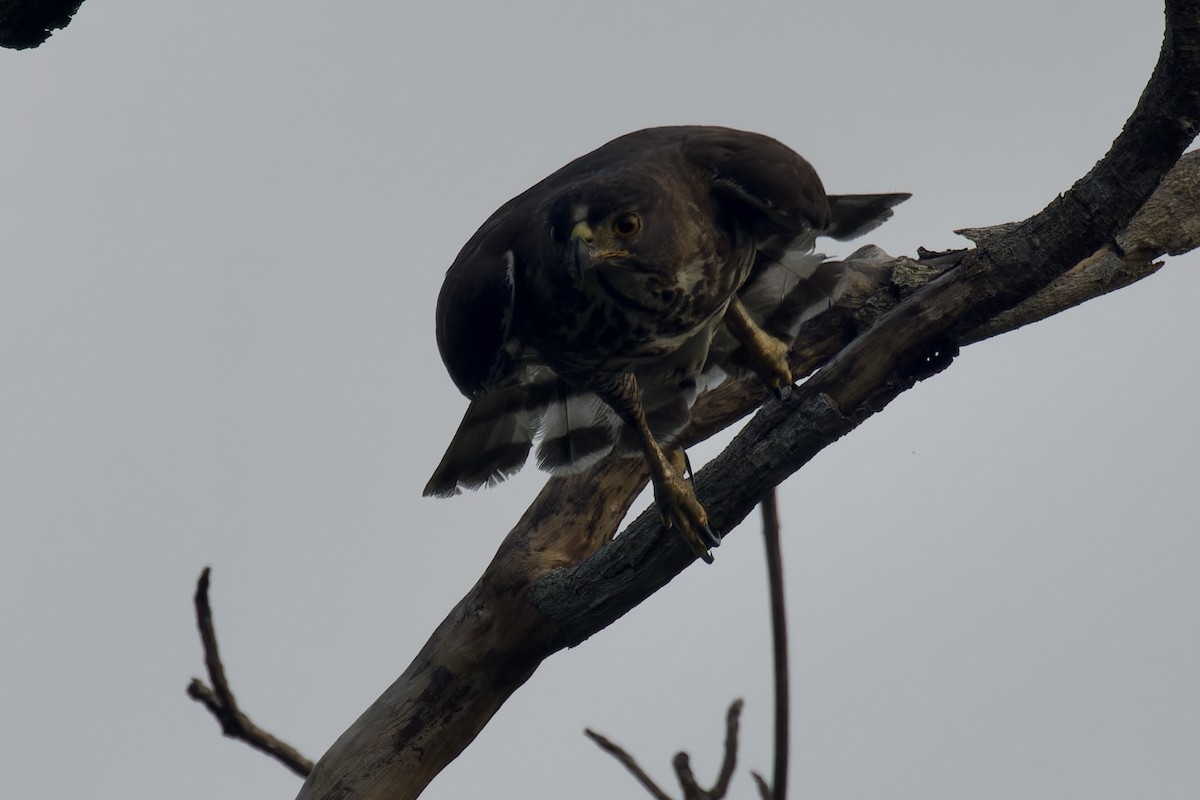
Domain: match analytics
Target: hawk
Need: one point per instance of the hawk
(589, 311)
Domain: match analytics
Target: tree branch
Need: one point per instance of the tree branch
(779, 647)
(557, 578)
(219, 698)
(682, 763)
(629, 762)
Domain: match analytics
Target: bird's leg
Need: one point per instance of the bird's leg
(677, 456)
(767, 355)
(677, 503)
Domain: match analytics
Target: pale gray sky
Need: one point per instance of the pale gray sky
(222, 230)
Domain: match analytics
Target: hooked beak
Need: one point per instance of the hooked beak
(581, 232)
(581, 247)
(582, 254)
(588, 250)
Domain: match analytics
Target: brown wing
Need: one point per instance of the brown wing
(778, 189)
(474, 309)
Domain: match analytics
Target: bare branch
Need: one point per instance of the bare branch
(629, 762)
(687, 780)
(729, 761)
(764, 791)
(682, 763)
(779, 648)
(219, 698)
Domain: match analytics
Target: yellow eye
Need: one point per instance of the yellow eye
(627, 224)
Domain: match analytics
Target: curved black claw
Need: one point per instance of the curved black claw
(679, 508)
(710, 538)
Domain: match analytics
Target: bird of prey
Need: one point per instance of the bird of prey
(589, 311)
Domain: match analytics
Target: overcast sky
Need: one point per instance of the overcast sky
(222, 230)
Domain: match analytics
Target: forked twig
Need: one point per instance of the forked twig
(682, 763)
(219, 699)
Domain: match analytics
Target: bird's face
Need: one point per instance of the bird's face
(609, 241)
(620, 250)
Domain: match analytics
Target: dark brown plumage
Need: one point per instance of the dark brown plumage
(592, 308)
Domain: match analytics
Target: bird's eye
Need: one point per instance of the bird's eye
(627, 224)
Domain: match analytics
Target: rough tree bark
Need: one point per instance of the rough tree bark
(559, 576)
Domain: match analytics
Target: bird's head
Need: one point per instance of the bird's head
(619, 239)
(612, 239)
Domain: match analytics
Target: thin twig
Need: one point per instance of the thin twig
(779, 649)
(212, 656)
(729, 761)
(682, 763)
(219, 698)
(627, 761)
(687, 779)
(764, 791)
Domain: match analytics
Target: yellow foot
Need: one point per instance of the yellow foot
(769, 358)
(679, 508)
(760, 351)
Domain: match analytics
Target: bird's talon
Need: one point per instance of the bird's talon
(679, 509)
